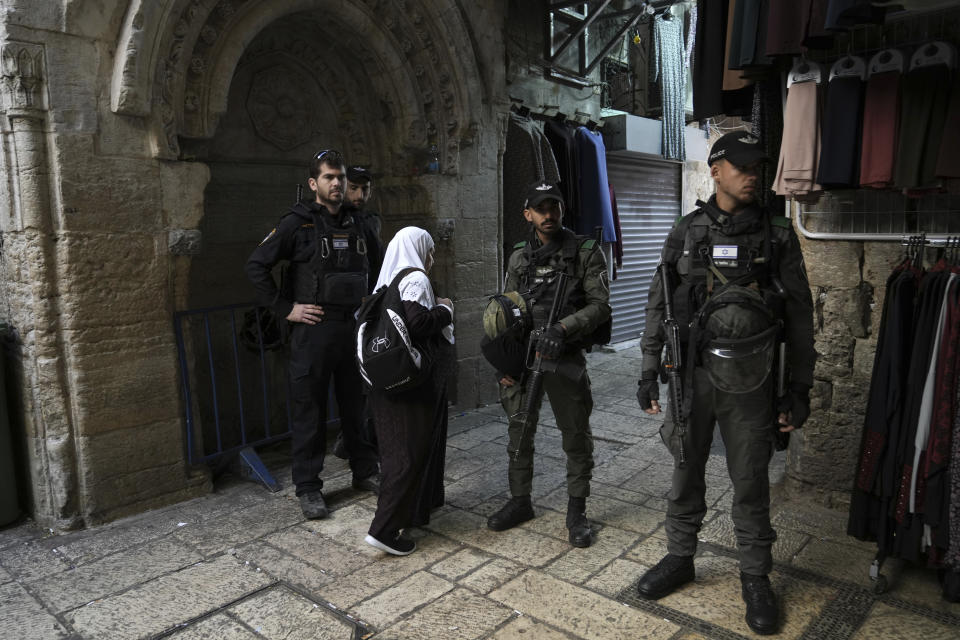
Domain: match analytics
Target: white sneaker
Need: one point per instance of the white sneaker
(399, 546)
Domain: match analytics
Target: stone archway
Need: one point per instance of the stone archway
(109, 183)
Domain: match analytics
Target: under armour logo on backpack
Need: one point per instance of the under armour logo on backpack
(379, 343)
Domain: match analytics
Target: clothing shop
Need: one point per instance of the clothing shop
(857, 105)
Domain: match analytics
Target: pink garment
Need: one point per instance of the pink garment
(800, 149)
(881, 116)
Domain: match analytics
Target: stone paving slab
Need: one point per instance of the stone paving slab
(562, 605)
(168, 601)
(218, 627)
(405, 596)
(458, 615)
(22, 617)
(385, 571)
(517, 544)
(112, 574)
(492, 575)
(34, 559)
(526, 628)
(890, 623)
(281, 614)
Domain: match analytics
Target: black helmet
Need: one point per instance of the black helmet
(739, 338)
(261, 323)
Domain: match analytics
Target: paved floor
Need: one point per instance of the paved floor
(242, 563)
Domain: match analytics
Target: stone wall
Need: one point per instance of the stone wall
(847, 280)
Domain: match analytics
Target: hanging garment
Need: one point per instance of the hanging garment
(617, 261)
(595, 208)
(800, 150)
(935, 488)
(839, 164)
(948, 160)
(796, 24)
(925, 93)
(746, 48)
(528, 158)
(843, 15)
(732, 79)
(870, 502)
(881, 110)
(668, 66)
(767, 124)
(561, 138)
(952, 558)
(816, 35)
(708, 59)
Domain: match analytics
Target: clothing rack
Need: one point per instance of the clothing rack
(552, 112)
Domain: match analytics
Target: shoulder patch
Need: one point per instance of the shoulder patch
(590, 243)
(780, 221)
(520, 245)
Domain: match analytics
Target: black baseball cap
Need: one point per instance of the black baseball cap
(741, 148)
(359, 174)
(540, 191)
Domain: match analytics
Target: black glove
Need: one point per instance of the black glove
(648, 389)
(796, 404)
(551, 342)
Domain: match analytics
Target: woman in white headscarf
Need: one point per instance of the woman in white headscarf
(412, 426)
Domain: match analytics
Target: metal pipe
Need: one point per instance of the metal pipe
(863, 237)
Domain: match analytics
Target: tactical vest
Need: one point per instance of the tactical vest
(706, 258)
(538, 284)
(336, 274)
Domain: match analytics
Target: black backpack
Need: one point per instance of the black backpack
(386, 355)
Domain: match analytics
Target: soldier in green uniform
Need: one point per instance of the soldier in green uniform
(533, 270)
(739, 288)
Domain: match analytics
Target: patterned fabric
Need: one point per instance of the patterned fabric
(668, 66)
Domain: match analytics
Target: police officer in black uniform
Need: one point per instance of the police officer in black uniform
(328, 276)
(737, 280)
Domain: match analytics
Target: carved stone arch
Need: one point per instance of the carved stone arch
(426, 68)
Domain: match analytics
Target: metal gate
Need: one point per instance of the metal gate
(648, 190)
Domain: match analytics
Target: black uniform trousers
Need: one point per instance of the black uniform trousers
(746, 426)
(317, 353)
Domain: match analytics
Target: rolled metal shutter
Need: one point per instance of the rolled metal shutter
(648, 190)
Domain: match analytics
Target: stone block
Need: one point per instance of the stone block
(33, 560)
(107, 194)
(174, 599)
(833, 264)
(410, 594)
(184, 242)
(579, 565)
(879, 259)
(280, 613)
(459, 564)
(863, 356)
(846, 562)
(106, 494)
(615, 577)
(289, 569)
(524, 628)
(491, 575)
(182, 187)
(330, 556)
(235, 528)
(218, 627)
(885, 621)
(559, 604)
(834, 356)
(22, 617)
(459, 614)
(721, 531)
(83, 584)
(516, 544)
(126, 451)
(385, 571)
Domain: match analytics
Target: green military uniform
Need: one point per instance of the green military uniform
(533, 269)
(762, 252)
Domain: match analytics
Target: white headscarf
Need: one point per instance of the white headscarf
(411, 247)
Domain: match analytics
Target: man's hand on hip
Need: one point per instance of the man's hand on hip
(305, 313)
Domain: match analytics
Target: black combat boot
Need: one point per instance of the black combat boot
(518, 509)
(577, 524)
(313, 505)
(666, 576)
(763, 614)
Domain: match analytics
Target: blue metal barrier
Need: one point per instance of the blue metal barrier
(213, 362)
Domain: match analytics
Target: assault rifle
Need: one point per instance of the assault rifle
(536, 363)
(672, 362)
